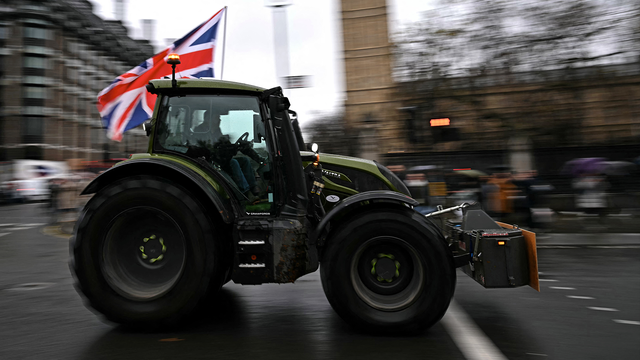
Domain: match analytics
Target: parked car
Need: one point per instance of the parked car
(29, 190)
(8, 193)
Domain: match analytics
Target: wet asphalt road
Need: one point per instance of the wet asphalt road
(587, 309)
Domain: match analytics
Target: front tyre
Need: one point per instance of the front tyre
(143, 253)
(388, 271)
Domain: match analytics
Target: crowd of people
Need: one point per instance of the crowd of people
(514, 197)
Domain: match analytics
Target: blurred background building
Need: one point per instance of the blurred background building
(529, 85)
(55, 56)
(553, 116)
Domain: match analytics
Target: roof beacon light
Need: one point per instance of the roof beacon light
(173, 60)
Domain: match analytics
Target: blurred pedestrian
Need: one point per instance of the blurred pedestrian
(488, 196)
(419, 187)
(54, 191)
(523, 201)
(67, 199)
(502, 199)
(591, 194)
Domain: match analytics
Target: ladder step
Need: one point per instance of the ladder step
(251, 265)
(251, 242)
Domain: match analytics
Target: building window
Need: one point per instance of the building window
(32, 92)
(32, 130)
(72, 47)
(36, 62)
(72, 74)
(4, 32)
(37, 33)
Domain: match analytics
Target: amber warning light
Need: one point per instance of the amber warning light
(173, 59)
(440, 122)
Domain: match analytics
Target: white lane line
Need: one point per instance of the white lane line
(601, 308)
(3, 234)
(627, 322)
(7, 224)
(580, 297)
(535, 354)
(471, 341)
(549, 280)
(34, 224)
(561, 288)
(18, 228)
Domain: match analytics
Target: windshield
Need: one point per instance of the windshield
(202, 120)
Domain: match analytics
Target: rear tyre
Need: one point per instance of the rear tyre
(144, 253)
(388, 271)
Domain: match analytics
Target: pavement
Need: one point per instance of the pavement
(587, 240)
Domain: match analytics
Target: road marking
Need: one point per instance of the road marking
(601, 308)
(32, 225)
(3, 234)
(614, 247)
(561, 288)
(628, 322)
(580, 297)
(534, 354)
(549, 280)
(31, 286)
(471, 341)
(7, 224)
(18, 228)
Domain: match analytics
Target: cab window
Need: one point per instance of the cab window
(228, 131)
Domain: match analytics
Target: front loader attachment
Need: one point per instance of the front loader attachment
(494, 254)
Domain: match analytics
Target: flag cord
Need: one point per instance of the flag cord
(224, 43)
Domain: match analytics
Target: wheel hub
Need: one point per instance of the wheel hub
(386, 273)
(153, 249)
(136, 259)
(385, 268)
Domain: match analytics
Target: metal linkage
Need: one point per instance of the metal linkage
(444, 211)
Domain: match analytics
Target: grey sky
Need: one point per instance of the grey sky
(315, 42)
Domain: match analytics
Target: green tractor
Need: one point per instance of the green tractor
(228, 192)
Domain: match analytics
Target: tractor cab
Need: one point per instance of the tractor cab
(228, 132)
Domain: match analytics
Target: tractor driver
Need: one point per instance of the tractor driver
(223, 153)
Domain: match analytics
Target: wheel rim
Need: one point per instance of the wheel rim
(386, 273)
(144, 253)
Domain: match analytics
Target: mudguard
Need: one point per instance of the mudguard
(348, 203)
(166, 168)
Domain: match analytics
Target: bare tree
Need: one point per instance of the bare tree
(474, 37)
(331, 134)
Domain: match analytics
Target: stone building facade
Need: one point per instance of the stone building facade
(55, 57)
(371, 104)
(557, 115)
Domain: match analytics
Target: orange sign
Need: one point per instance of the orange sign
(440, 122)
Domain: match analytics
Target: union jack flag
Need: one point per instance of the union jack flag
(125, 103)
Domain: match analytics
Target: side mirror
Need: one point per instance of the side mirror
(147, 127)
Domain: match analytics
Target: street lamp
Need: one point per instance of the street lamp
(280, 37)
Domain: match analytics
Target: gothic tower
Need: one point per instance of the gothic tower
(370, 105)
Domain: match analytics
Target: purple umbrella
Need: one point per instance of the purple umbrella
(581, 166)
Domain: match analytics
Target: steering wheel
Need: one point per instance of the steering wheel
(244, 138)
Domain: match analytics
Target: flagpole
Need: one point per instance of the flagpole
(224, 43)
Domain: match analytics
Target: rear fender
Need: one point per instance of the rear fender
(358, 202)
(174, 171)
